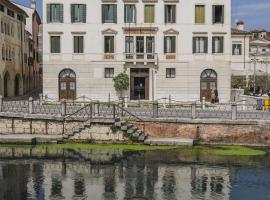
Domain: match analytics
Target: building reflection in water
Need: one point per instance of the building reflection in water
(131, 177)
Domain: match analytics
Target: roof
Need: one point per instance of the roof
(23, 7)
(12, 6)
(239, 32)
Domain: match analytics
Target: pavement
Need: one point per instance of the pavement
(29, 139)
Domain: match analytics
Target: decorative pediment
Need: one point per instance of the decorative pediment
(171, 32)
(109, 31)
(140, 30)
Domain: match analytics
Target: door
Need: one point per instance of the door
(208, 83)
(67, 84)
(139, 84)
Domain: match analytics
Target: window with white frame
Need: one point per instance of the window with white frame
(108, 44)
(237, 49)
(170, 72)
(109, 13)
(130, 14)
(108, 72)
(200, 44)
(218, 44)
(170, 13)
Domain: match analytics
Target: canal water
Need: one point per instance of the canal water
(100, 174)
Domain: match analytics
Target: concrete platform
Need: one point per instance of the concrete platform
(29, 139)
(169, 141)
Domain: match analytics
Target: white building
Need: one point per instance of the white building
(168, 48)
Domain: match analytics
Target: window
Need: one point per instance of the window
(55, 44)
(108, 44)
(170, 73)
(2, 8)
(78, 13)
(55, 13)
(169, 44)
(218, 14)
(217, 44)
(140, 44)
(78, 44)
(200, 44)
(237, 49)
(109, 13)
(10, 13)
(129, 44)
(109, 72)
(149, 14)
(199, 14)
(130, 14)
(170, 13)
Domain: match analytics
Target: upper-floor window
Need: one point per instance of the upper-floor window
(10, 13)
(78, 13)
(218, 44)
(108, 44)
(170, 13)
(55, 44)
(55, 13)
(237, 49)
(200, 44)
(109, 13)
(130, 14)
(170, 44)
(78, 44)
(2, 8)
(218, 14)
(199, 14)
(149, 14)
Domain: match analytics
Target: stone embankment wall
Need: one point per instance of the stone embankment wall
(212, 131)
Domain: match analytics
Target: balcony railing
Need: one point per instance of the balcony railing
(141, 57)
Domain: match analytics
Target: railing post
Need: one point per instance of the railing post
(155, 109)
(114, 111)
(193, 110)
(203, 103)
(1, 103)
(234, 111)
(170, 101)
(30, 105)
(63, 108)
(40, 99)
(96, 108)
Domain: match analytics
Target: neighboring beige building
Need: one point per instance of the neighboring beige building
(12, 41)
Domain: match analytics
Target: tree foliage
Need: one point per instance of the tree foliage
(121, 82)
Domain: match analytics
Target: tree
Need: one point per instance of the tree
(121, 83)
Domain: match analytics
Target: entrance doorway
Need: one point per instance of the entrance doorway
(139, 84)
(208, 83)
(67, 84)
(17, 85)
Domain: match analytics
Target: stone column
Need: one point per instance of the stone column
(155, 109)
(234, 111)
(63, 108)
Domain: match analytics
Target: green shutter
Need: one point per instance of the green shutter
(206, 45)
(61, 13)
(173, 44)
(173, 13)
(166, 14)
(84, 13)
(115, 14)
(103, 11)
(213, 45)
(48, 13)
(81, 44)
(194, 44)
(165, 44)
(221, 45)
(75, 46)
(72, 7)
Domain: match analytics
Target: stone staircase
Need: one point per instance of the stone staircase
(131, 131)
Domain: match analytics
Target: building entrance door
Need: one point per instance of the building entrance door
(67, 84)
(139, 84)
(208, 83)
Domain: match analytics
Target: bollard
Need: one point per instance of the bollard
(155, 109)
(40, 99)
(234, 111)
(30, 105)
(203, 103)
(193, 110)
(63, 108)
(1, 103)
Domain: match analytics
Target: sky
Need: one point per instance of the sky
(255, 13)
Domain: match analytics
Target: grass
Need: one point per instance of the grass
(203, 150)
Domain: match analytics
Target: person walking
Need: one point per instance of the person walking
(216, 96)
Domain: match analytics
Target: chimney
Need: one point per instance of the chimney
(33, 5)
(240, 25)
